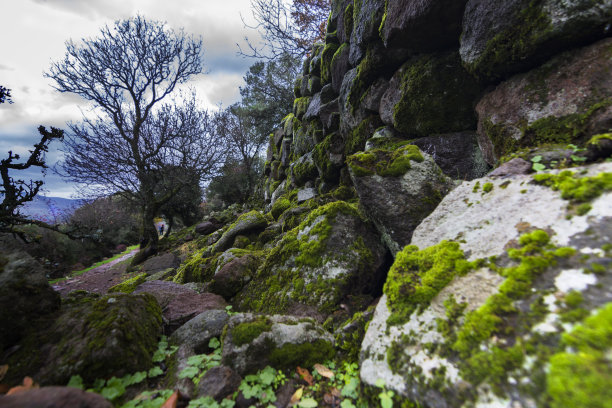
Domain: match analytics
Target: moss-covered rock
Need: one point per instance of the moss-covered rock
(506, 37)
(397, 188)
(535, 108)
(97, 337)
(331, 254)
(252, 221)
(430, 94)
(129, 285)
(284, 342)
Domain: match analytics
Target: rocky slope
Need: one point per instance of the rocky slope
(439, 208)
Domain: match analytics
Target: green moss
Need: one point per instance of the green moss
(326, 62)
(306, 354)
(436, 96)
(336, 57)
(596, 140)
(327, 170)
(368, 70)
(572, 312)
(476, 187)
(572, 128)
(385, 163)
(581, 377)
(280, 206)
(417, 276)
(487, 187)
(512, 45)
(129, 285)
(304, 171)
(300, 106)
(357, 138)
(534, 256)
(575, 188)
(247, 332)
(348, 21)
(349, 338)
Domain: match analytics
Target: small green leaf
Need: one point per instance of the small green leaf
(308, 403)
(350, 389)
(267, 375)
(538, 167)
(214, 343)
(114, 389)
(197, 360)
(536, 159)
(99, 384)
(385, 400)
(347, 404)
(189, 372)
(155, 372)
(578, 158)
(380, 383)
(76, 381)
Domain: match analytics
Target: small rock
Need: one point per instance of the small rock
(197, 332)
(206, 228)
(54, 397)
(218, 382)
(512, 167)
(306, 194)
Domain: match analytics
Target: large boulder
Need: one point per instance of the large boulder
(340, 66)
(54, 397)
(367, 16)
(508, 36)
(458, 154)
(430, 94)
(234, 275)
(397, 188)
(179, 303)
(508, 313)
(334, 253)
(425, 26)
(25, 296)
(160, 263)
(197, 332)
(252, 221)
(566, 100)
(94, 337)
(284, 342)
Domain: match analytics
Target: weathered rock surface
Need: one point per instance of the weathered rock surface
(503, 37)
(566, 100)
(54, 397)
(367, 16)
(424, 26)
(180, 304)
(457, 154)
(98, 338)
(314, 267)
(206, 228)
(249, 222)
(232, 276)
(254, 342)
(25, 296)
(197, 332)
(218, 383)
(430, 94)
(493, 327)
(160, 262)
(397, 189)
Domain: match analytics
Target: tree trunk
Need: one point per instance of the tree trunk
(148, 237)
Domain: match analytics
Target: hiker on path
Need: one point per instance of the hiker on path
(161, 230)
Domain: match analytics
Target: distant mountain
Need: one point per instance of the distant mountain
(50, 209)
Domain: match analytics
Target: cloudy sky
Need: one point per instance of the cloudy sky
(34, 33)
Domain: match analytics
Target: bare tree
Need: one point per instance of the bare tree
(18, 192)
(129, 137)
(287, 28)
(5, 95)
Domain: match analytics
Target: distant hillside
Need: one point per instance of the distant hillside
(50, 209)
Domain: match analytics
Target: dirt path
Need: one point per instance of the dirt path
(97, 280)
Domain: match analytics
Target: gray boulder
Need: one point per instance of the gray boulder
(527, 269)
(254, 342)
(397, 189)
(567, 100)
(197, 332)
(218, 383)
(232, 276)
(457, 154)
(422, 26)
(508, 36)
(25, 296)
(367, 16)
(160, 262)
(207, 227)
(340, 66)
(430, 94)
(54, 397)
(312, 270)
(250, 222)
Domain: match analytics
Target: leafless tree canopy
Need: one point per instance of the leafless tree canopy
(287, 28)
(130, 137)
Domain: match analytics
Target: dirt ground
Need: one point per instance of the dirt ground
(97, 280)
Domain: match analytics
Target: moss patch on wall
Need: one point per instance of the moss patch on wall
(385, 163)
(129, 285)
(245, 333)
